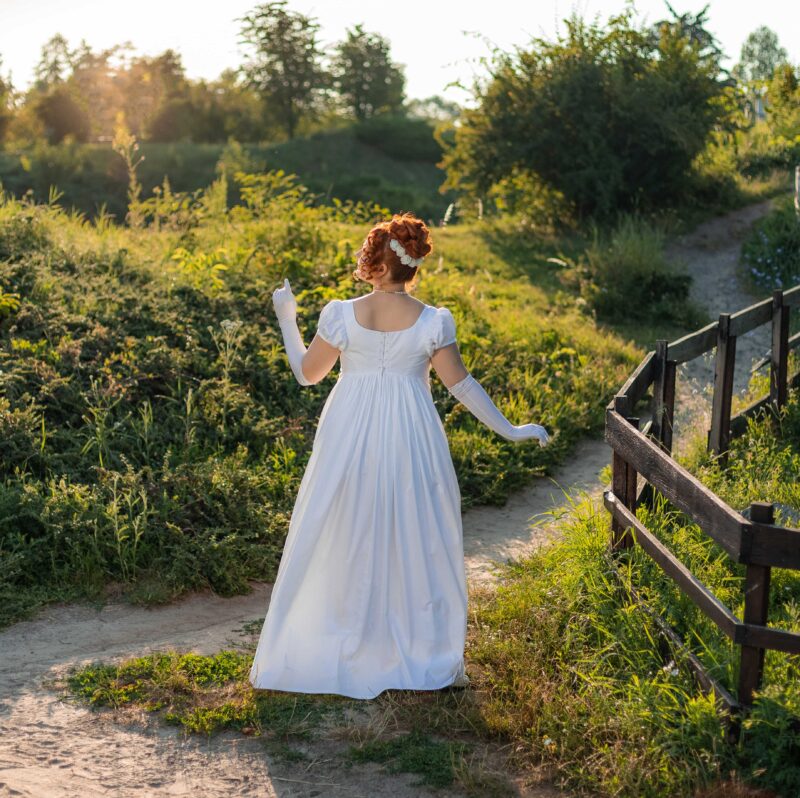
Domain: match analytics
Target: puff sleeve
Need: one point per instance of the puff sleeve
(331, 325)
(443, 330)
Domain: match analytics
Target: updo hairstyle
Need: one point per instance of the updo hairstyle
(410, 231)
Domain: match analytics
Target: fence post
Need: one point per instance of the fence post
(623, 481)
(779, 358)
(670, 368)
(756, 603)
(720, 433)
(662, 409)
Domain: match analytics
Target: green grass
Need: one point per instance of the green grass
(579, 677)
(394, 165)
(414, 752)
(153, 437)
(771, 253)
(569, 675)
(202, 695)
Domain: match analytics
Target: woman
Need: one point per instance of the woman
(371, 589)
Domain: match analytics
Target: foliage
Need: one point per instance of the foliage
(126, 146)
(364, 76)
(568, 671)
(414, 752)
(624, 272)
(150, 432)
(576, 675)
(333, 165)
(285, 64)
(400, 137)
(62, 116)
(610, 117)
(204, 695)
(760, 56)
(783, 93)
(771, 251)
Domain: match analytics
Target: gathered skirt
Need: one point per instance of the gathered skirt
(371, 588)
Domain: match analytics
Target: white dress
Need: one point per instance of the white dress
(371, 589)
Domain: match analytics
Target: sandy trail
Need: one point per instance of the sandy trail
(50, 746)
(711, 253)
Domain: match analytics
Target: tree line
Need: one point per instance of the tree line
(287, 83)
(602, 118)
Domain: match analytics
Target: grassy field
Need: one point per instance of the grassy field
(153, 439)
(392, 163)
(152, 433)
(565, 671)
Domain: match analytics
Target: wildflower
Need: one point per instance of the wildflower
(670, 668)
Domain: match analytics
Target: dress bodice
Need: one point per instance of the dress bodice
(405, 352)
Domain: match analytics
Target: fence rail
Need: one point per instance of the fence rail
(755, 541)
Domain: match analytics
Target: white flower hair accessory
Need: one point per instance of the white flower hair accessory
(405, 258)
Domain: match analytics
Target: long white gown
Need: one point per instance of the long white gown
(371, 588)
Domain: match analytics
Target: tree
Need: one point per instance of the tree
(62, 115)
(225, 108)
(435, 108)
(783, 92)
(760, 56)
(285, 65)
(147, 86)
(54, 62)
(6, 102)
(693, 28)
(96, 84)
(364, 76)
(605, 118)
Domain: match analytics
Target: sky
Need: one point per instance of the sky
(438, 43)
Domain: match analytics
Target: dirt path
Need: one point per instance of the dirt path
(711, 254)
(53, 747)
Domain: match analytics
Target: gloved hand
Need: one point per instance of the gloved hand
(284, 302)
(527, 431)
(286, 310)
(473, 396)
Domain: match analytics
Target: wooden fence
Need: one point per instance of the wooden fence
(755, 540)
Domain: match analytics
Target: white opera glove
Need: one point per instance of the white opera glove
(286, 310)
(472, 395)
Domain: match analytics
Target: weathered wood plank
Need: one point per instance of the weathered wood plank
(792, 343)
(751, 317)
(694, 344)
(756, 604)
(791, 298)
(779, 359)
(765, 637)
(669, 403)
(659, 373)
(720, 432)
(777, 546)
(639, 381)
(705, 600)
(684, 490)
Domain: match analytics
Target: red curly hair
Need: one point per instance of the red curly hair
(410, 231)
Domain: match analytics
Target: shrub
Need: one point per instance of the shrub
(610, 116)
(624, 272)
